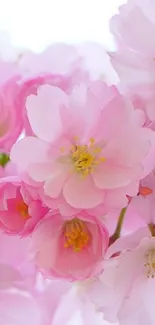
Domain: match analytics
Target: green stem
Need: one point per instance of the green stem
(117, 232)
(4, 158)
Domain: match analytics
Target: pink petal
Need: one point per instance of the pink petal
(17, 309)
(82, 193)
(111, 176)
(54, 184)
(12, 221)
(43, 112)
(9, 276)
(28, 151)
(148, 298)
(40, 172)
(113, 116)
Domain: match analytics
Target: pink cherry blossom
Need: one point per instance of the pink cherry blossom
(31, 85)
(26, 297)
(90, 146)
(18, 263)
(59, 65)
(70, 248)
(77, 308)
(133, 29)
(63, 66)
(20, 209)
(125, 290)
(11, 122)
(96, 61)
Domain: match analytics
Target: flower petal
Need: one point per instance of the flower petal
(28, 151)
(81, 193)
(109, 176)
(54, 184)
(43, 111)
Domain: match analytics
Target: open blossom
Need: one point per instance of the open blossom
(20, 209)
(135, 272)
(134, 60)
(70, 248)
(125, 290)
(90, 146)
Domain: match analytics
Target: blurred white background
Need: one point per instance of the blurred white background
(36, 23)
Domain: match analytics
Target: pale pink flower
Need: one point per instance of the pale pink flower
(90, 146)
(77, 308)
(19, 307)
(20, 209)
(31, 85)
(96, 61)
(52, 305)
(17, 304)
(70, 248)
(14, 255)
(63, 66)
(59, 65)
(58, 59)
(25, 296)
(125, 291)
(134, 60)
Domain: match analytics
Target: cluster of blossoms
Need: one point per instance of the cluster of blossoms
(77, 179)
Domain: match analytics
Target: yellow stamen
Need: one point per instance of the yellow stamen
(22, 208)
(76, 235)
(62, 149)
(85, 157)
(150, 263)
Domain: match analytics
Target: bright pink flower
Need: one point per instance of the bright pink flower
(134, 62)
(70, 248)
(20, 209)
(11, 121)
(91, 146)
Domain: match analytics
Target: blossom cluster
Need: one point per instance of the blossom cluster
(77, 179)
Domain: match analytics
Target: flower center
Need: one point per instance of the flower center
(85, 157)
(22, 208)
(76, 235)
(150, 263)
